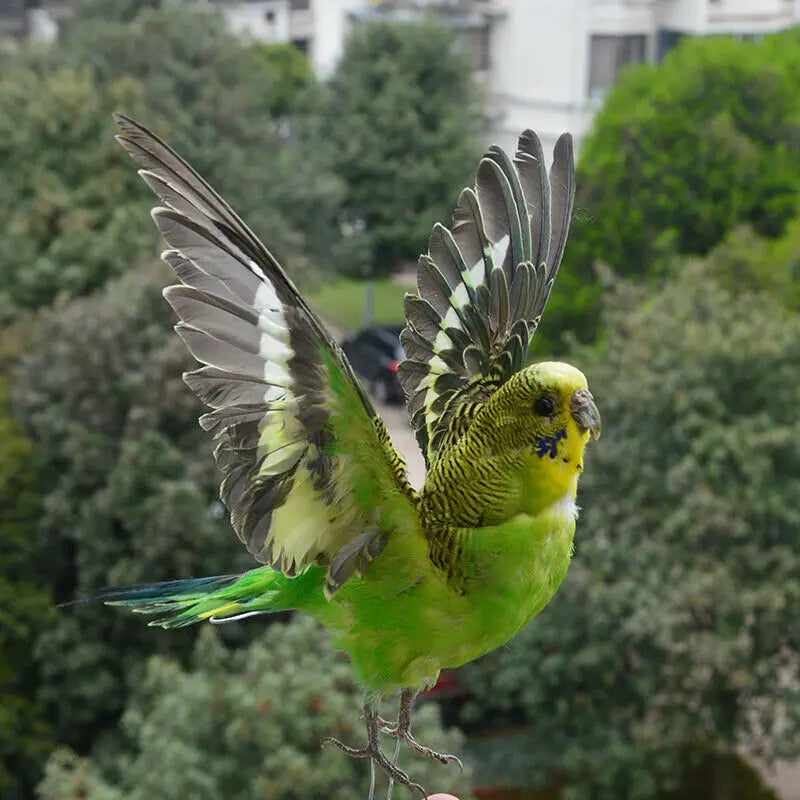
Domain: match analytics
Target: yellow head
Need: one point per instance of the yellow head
(547, 411)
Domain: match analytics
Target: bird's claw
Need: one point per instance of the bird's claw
(401, 730)
(373, 751)
(397, 732)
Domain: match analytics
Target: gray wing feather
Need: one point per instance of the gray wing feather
(218, 353)
(562, 186)
(529, 161)
(264, 377)
(190, 274)
(209, 314)
(218, 388)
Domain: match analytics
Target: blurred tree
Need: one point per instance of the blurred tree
(77, 215)
(119, 10)
(129, 490)
(245, 116)
(679, 155)
(403, 117)
(294, 78)
(244, 725)
(675, 636)
(25, 737)
(74, 215)
(747, 261)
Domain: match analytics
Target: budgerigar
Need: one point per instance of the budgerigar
(409, 582)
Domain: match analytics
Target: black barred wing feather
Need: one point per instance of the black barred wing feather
(482, 287)
(305, 460)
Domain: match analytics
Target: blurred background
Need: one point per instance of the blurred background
(667, 666)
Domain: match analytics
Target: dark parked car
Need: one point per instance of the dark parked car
(375, 353)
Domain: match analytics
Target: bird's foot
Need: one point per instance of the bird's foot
(373, 751)
(402, 730)
(396, 731)
(378, 757)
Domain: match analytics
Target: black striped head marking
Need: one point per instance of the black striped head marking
(522, 453)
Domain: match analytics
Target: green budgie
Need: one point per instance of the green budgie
(409, 582)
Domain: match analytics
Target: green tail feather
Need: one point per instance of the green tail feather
(184, 602)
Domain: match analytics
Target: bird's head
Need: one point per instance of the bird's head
(547, 411)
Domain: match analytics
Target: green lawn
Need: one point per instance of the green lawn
(342, 303)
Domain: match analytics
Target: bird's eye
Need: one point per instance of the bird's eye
(545, 406)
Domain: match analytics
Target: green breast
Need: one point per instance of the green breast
(512, 572)
(404, 626)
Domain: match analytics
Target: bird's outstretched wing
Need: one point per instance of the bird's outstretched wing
(482, 286)
(310, 476)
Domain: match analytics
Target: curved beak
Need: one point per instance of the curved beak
(585, 412)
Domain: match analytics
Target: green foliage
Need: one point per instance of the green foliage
(68, 777)
(73, 216)
(130, 489)
(244, 725)
(747, 261)
(118, 10)
(223, 105)
(293, 72)
(679, 155)
(403, 117)
(675, 636)
(77, 214)
(25, 737)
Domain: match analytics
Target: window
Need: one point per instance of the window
(479, 45)
(474, 41)
(301, 45)
(269, 16)
(13, 18)
(300, 5)
(667, 40)
(609, 54)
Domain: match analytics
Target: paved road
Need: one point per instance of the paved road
(396, 419)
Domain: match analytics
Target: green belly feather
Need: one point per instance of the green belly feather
(404, 622)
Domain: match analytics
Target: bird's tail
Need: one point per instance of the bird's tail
(218, 599)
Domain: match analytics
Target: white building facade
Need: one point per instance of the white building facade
(316, 27)
(552, 60)
(545, 63)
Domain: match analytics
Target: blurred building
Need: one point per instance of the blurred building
(316, 27)
(551, 61)
(30, 19)
(544, 63)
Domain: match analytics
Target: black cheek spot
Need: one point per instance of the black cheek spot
(565, 460)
